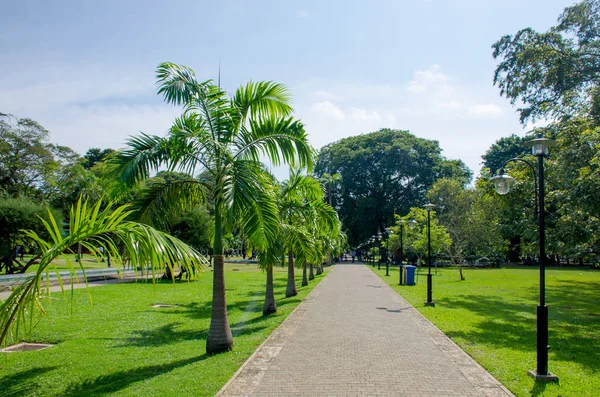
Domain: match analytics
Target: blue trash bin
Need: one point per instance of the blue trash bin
(409, 275)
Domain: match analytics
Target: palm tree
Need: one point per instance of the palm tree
(224, 139)
(92, 227)
(303, 210)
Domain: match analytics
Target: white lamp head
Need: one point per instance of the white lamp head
(539, 146)
(502, 182)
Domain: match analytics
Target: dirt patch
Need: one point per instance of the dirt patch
(22, 347)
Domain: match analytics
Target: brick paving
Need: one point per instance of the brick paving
(355, 336)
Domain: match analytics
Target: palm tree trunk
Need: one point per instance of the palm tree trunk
(311, 274)
(219, 334)
(291, 280)
(319, 269)
(304, 277)
(269, 306)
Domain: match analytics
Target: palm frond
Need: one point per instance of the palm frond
(281, 140)
(160, 201)
(145, 154)
(260, 99)
(212, 105)
(249, 198)
(177, 83)
(92, 227)
(304, 186)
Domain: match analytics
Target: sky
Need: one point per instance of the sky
(85, 70)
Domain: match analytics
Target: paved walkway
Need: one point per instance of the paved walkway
(355, 336)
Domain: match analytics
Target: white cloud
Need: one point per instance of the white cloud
(363, 114)
(328, 110)
(432, 105)
(486, 110)
(427, 81)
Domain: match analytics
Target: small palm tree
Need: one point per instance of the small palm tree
(93, 227)
(224, 140)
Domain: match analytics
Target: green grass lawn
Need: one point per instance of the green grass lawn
(88, 261)
(492, 316)
(119, 345)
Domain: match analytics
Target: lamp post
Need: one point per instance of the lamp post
(389, 232)
(378, 239)
(411, 224)
(429, 301)
(371, 241)
(502, 183)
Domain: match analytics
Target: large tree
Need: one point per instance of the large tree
(555, 73)
(224, 140)
(29, 163)
(383, 172)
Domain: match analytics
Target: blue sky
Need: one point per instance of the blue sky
(85, 69)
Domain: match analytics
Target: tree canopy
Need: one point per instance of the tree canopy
(556, 73)
(382, 173)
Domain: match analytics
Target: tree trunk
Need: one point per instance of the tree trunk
(304, 276)
(219, 334)
(291, 280)
(79, 253)
(311, 274)
(319, 269)
(460, 270)
(269, 306)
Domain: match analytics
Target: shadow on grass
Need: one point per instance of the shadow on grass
(573, 334)
(23, 382)
(167, 334)
(111, 383)
(538, 388)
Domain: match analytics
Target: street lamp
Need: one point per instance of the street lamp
(379, 249)
(389, 232)
(371, 241)
(502, 182)
(411, 224)
(429, 301)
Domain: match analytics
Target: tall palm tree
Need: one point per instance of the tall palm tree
(92, 227)
(224, 139)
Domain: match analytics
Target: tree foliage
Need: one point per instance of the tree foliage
(415, 240)
(17, 214)
(469, 218)
(96, 155)
(556, 73)
(28, 162)
(383, 172)
(502, 150)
